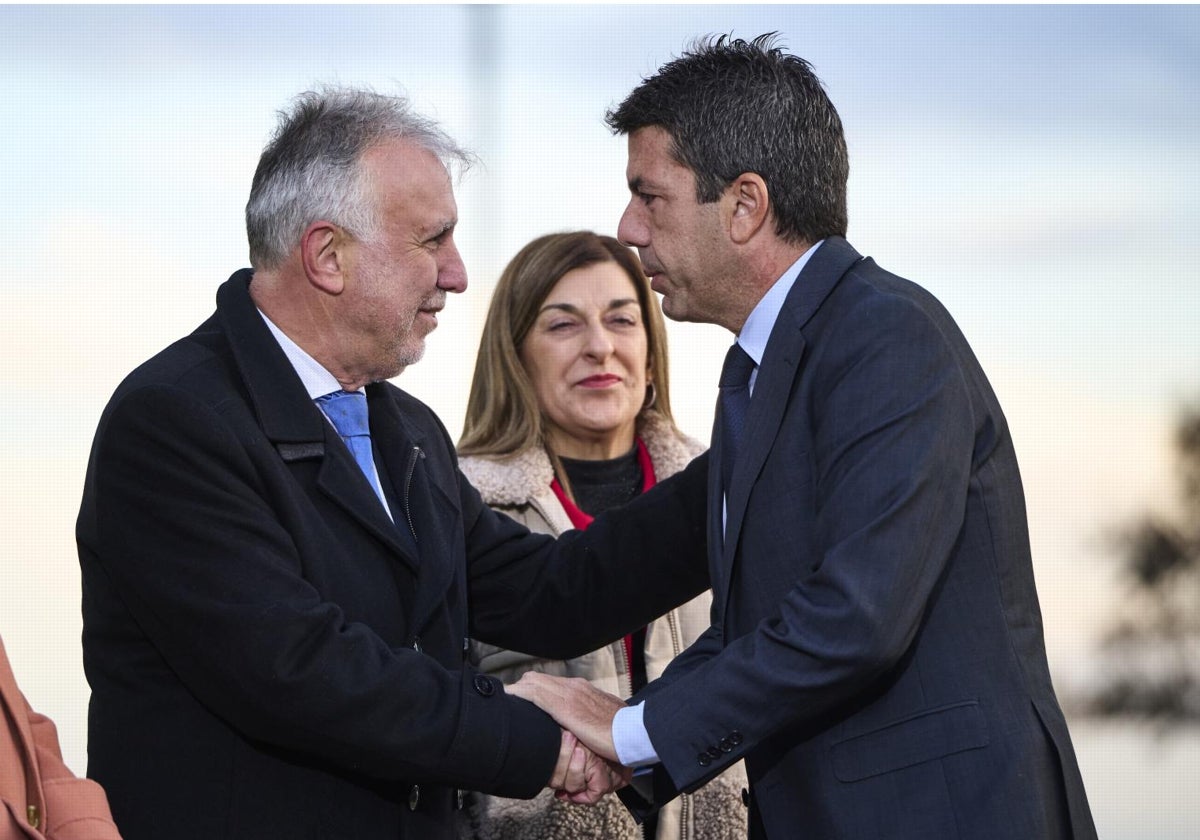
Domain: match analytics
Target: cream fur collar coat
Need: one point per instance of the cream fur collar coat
(520, 487)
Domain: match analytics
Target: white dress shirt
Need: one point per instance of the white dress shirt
(318, 382)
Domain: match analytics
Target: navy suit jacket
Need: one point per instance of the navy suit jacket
(876, 654)
(270, 656)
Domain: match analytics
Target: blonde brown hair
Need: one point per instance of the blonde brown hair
(503, 417)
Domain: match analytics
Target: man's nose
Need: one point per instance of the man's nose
(452, 273)
(632, 229)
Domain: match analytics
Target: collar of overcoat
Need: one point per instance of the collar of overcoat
(299, 432)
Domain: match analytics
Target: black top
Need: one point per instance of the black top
(600, 485)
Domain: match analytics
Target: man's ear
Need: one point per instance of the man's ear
(748, 206)
(323, 247)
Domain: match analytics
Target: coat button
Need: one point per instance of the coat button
(704, 759)
(714, 753)
(735, 737)
(484, 685)
(726, 745)
(746, 797)
(414, 797)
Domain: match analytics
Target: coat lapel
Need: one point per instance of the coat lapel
(288, 417)
(432, 509)
(341, 479)
(777, 376)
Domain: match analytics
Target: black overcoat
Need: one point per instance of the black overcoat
(271, 657)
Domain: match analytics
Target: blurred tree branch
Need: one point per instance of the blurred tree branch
(1151, 652)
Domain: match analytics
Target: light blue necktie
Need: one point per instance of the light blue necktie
(347, 410)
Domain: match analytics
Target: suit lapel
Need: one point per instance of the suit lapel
(777, 376)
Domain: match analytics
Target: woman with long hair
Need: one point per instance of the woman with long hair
(569, 415)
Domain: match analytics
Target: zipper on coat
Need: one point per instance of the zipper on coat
(676, 638)
(413, 456)
(627, 657)
(685, 799)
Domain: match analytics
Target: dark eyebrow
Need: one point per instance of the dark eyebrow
(620, 302)
(574, 310)
(635, 186)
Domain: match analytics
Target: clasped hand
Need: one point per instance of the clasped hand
(587, 767)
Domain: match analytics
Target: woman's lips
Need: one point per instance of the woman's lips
(599, 381)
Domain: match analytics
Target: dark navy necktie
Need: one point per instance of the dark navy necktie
(347, 410)
(734, 402)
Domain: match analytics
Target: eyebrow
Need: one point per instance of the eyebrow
(641, 184)
(618, 303)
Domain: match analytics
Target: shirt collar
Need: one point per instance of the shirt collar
(317, 380)
(757, 329)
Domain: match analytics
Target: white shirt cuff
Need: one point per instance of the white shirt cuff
(630, 738)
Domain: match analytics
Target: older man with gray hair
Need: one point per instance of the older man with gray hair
(281, 562)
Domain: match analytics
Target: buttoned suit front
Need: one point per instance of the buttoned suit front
(271, 656)
(876, 655)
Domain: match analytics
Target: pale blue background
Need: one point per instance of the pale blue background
(1037, 168)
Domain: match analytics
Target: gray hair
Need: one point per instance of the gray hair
(310, 169)
(734, 106)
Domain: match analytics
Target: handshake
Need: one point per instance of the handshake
(587, 766)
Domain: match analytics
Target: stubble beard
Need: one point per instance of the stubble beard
(408, 351)
(410, 356)
(408, 346)
(668, 308)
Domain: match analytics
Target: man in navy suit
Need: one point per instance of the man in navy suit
(276, 599)
(876, 654)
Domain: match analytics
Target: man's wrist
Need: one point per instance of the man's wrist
(630, 739)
